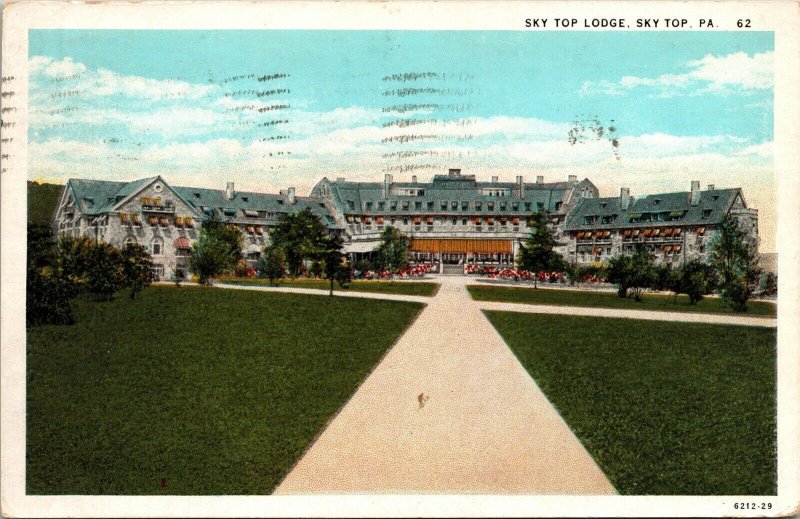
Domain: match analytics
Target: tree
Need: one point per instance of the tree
(537, 254)
(105, 274)
(735, 264)
(73, 256)
(695, 279)
(48, 298)
(392, 251)
(136, 268)
(301, 235)
(335, 267)
(632, 273)
(272, 264)
(210, 257)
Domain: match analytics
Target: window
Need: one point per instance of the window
(515, 206)
(130, 241)
(539, 206)
(380, 205)
(157, 271)
(444, 206)
(369, 206)
(157, 247)
(394, 205)
(527, 206)
(490, 206)
(430, 205)
(706, 213)
(464, 206)
(417, 205)
(453, 205)
(455, 221)
(502, 206)
(463, 221)
(478, 206)
(351, 205)
(558, 205)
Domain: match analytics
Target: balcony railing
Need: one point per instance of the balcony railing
(165, 209)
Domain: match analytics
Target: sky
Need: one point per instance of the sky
(651, 111)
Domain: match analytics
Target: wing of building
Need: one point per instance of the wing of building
(453, 220)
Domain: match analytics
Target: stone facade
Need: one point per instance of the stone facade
(452, 220)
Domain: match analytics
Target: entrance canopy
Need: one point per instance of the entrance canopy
(461, 245)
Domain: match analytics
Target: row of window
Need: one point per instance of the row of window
(453, 205)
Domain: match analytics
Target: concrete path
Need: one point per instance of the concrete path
(320, 292)
(652, 315)
(448, 410)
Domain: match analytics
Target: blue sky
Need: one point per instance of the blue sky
(678, 105)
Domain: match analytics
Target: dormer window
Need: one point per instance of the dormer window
(245, 199)
(369, 206)
(656, 201)
(197, 195)
(706, 213)
(394, 205)
(603, 205)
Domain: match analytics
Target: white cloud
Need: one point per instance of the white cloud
(737, 72)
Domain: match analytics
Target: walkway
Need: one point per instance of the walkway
(451, 410)
(448, 410)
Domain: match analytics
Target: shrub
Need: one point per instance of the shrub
(136, 268)
(695, 279)
(272, 264)
(48, 298)
(105, 273)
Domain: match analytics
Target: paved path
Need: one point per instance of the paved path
(448, 410)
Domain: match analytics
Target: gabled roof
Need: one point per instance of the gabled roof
(717, 202)
(94, 196)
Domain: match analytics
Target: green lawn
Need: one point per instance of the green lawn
(660, 302)
(408, 288)
(664, 408)
(212, 391)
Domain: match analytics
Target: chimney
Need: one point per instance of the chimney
(387, 182)
(572, 178)
(520, 186)
(229, 191)
(340, 179)
(624, 198)
(540, 179)
(290, 196)
(414, 179)
(711, 187)
(454, 172)
(694, 197)
(494, 179)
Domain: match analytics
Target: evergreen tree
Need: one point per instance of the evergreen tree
(334, 262)
(537, 254)
(735, 263)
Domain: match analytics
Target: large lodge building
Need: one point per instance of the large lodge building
(453, 220)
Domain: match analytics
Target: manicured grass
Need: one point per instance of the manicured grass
(658, 302)
(664, 408)
(407, 288)
(212, 391)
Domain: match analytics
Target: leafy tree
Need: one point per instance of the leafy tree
(392, 251)
(695, 279)
(665, 278)
(136, 268)
(73, 256)
(537, 254)
(768, 284)
(302, 236)
(227, 234)
(735, 263)
(272, 264)
(105, 274)
(632, 273)
(210, 257)
(335, 267)
(48, 298)
(41, 245)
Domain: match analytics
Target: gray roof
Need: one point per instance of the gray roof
(444, 189)
(711, 209)
(99, 196)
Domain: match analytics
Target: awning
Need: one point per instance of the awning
(700, 230)
(596, 250)
(476, 219)
(367, 219)
(178, 221)
(503, 220)
(676, 231)
(490, 220)
(379, 219)
(163, 221)
(429, 220)
(416, 220)
(135, 218)
(253, 248)
(515, 221)
(258, 229)
(182, 243)
(474, 246)
(667, 232)
(666, 248)
(153, 220)
(606, 234)
(364, 246)
(251, 213)
(655, 232)
(250, 229)
(627, 232)
(635, 232)
(646, 232)
(677, 248)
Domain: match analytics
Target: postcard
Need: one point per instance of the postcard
(400, 259)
